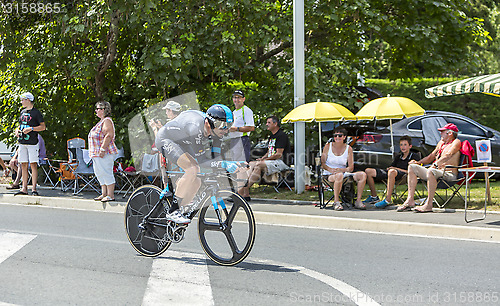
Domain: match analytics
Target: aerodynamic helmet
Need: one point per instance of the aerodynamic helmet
(219, 116)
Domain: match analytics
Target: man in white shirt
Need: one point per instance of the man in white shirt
(242, 126)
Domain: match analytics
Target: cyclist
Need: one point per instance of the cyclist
(193, 140)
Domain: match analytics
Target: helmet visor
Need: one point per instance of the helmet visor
(222, 125)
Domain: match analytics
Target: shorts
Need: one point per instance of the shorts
(382, 174)
(103, 169)
(421, 172)
(28, 153)
(275, 166)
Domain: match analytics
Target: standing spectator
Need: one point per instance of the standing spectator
(278, 148)
(102, 150)
(16, 167)
(31, 122)
(395, 172)
(337, 160)
(172, 109)
(240, 131)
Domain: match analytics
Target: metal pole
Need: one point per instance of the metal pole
(299, 93)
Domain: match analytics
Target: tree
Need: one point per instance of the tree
(137, 53)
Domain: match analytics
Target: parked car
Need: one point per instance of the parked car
(6, 152)
(373, 138)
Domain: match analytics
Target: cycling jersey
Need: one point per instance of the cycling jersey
(184, 134)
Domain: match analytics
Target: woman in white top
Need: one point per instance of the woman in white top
(338, 162)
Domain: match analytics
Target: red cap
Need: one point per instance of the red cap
(449, 126)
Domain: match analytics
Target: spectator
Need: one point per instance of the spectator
(102, 150)
(447, 152)
(242, 126)
(4, 167)
(278, 148)
(16, 167)
(337, 160)
(395, 172)
(31, 122)
(172, 109)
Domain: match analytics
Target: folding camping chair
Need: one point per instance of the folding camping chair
(84, 174)
(73, 144)
(454, 186)
(280, 179)
(150, 167)
(347, 193)
(65, 170)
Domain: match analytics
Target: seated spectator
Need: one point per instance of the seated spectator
(447, 152)
(395, 172)
(337, 160)
(278, 148)
(4, 167)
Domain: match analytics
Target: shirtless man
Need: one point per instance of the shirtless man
(446, 153)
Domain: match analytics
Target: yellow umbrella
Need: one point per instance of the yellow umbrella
(319, 111)
(390, 108)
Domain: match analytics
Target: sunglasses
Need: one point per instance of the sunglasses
(338, 135)
(222, 125)
(98, 108)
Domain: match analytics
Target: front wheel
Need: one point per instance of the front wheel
(227, 243)
(148, 238)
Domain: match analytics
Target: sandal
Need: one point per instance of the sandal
(404, 207)
(107, 199)
(12, 186)
(360, 205)
(99, 198)
(338, 206)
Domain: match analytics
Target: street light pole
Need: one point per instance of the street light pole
(299, 93)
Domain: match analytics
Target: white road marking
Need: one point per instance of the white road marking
(355, 295)
(10, 243)
(179, 279)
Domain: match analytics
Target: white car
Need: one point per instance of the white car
(6, 152)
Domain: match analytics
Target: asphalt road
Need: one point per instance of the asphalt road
(52, 256)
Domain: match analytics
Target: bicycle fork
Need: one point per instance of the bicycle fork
(215, 204)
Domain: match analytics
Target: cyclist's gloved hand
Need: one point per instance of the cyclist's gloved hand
(230, 166)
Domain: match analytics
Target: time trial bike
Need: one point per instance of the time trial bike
(226, 224)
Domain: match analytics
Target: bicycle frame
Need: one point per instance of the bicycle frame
(208, 188)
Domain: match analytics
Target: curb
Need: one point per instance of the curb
(381, 226)
(80, 204)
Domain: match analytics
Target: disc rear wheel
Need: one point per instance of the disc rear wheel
(147, 238)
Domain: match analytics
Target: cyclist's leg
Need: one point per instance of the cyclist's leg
(189, 183)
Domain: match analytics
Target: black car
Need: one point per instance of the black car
(373, 138)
